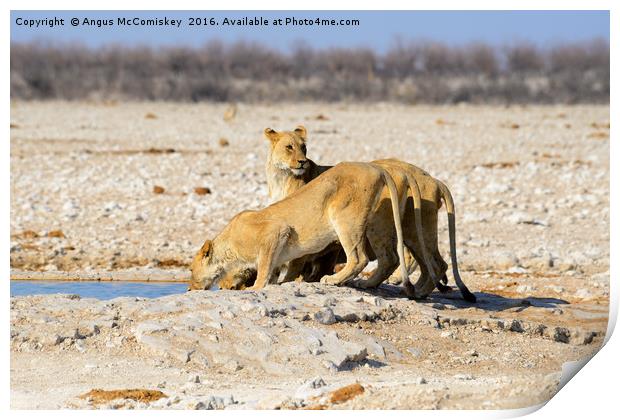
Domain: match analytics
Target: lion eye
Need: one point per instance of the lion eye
(303, 148)
(289, 147)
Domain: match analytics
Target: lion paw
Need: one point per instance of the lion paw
(330, 280)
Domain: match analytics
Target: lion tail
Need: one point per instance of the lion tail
(400, 248)
(417, 217)
(447, 198)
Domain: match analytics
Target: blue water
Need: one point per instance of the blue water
(97, 289)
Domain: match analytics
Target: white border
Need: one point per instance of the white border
(592, 394)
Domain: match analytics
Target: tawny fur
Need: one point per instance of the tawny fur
(288, 169)
(340, 205)
(289, 148)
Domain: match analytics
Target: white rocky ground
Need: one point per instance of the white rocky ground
(534, 196)
(531, 186)
(290, 345)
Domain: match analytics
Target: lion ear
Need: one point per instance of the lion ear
(206, 249)
(301, 131)
(271, 135)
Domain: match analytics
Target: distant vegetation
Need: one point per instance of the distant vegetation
(413, 72)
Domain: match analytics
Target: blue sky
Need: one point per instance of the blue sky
(378, 30)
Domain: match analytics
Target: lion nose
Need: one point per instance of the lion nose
(302, 161)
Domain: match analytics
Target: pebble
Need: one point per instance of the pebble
(79, 346)
(447, 334)
(200, 406)
(561, 334)
(524, 288)
(504, 259)
(414, 352)
(517, 270)
(325, 316)
(311, 388)
(583, 293)
(330, 301)
(330, 366)
(463, 377)
(232, 366)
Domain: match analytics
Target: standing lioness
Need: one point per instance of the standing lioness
(288, 169)
(337, 206)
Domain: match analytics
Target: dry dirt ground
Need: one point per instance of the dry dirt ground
(531, 186)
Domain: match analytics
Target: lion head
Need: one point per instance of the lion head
(288, 150)
(223, 271)
(205, 270)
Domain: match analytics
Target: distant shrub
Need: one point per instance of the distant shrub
(524, 59)
(412, 72)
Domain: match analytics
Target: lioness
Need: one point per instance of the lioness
(340, 205)
(288, 169)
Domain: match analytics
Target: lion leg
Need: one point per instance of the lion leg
(355, 249)
(425, 285)
(322, 265)
(439, 266)
(387, 262)
(356, 261)
(442, 267)
(310, 271)
(294, 269)
(316, 272)
(264, 273)
(411, 265)
(268, 255)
